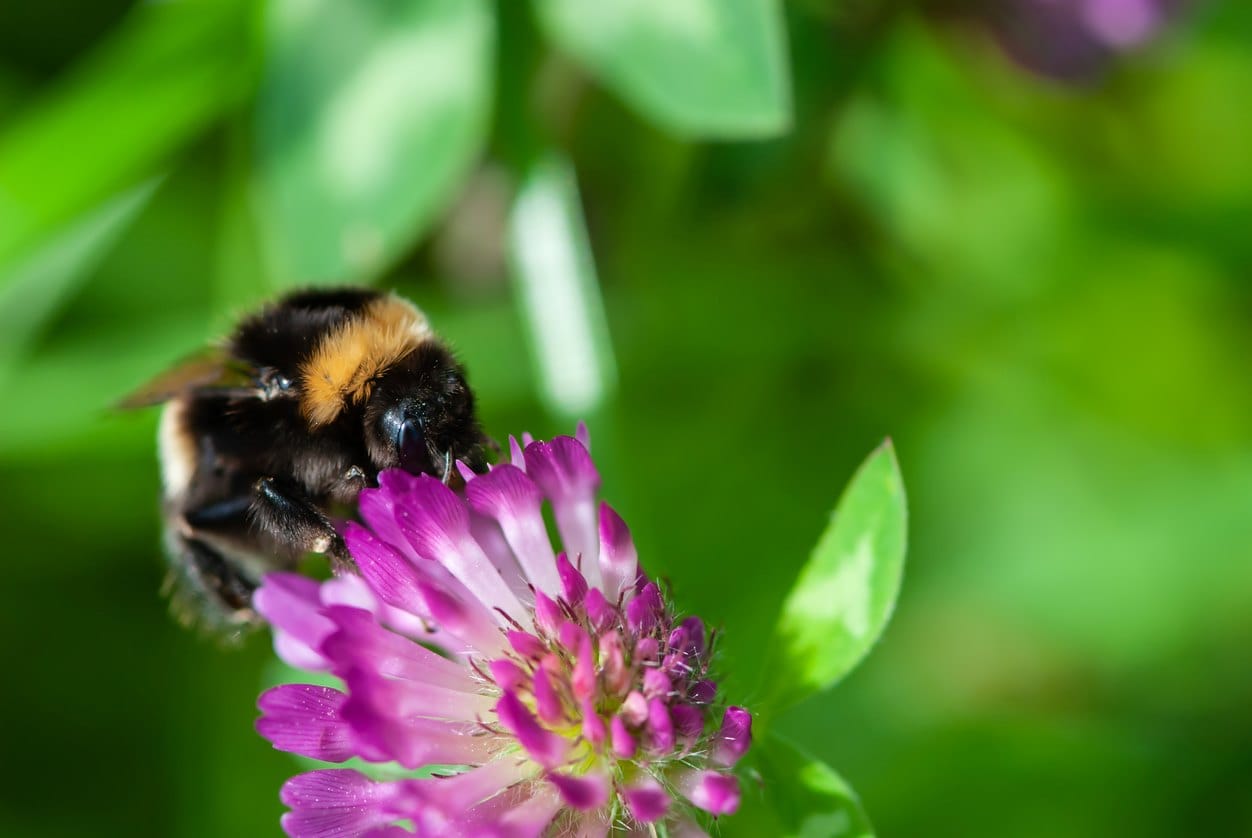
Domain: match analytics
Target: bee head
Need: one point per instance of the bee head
(420, 416)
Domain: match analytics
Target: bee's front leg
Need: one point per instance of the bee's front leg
(286, 513)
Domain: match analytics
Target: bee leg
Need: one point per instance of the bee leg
(222, 516)
(295, 520)
(206, 587)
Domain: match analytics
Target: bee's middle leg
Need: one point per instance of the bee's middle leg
(291, 517)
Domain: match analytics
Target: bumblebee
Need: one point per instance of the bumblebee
(265, 436)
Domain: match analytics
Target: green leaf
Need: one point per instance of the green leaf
(113, 121)
(797, 797)
(705, 68)
(33, 290)
(98, 369)
(368, 117)
(559, 293)
(844, 594)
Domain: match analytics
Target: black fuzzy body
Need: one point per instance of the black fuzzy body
(251, 485)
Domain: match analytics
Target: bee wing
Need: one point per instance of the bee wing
(212, 369)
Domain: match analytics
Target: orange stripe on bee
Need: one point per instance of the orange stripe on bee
(346, 362)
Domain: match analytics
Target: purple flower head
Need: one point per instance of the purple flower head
(1074, 40)
(557, 677)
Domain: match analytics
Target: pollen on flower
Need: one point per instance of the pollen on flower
(580, 703)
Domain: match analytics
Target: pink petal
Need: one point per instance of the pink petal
(573, 584)
(646, 650)
(547, 701)
(388, 721)
(548, 615)
(656, 684)
(543, 746)
(516, 457)
(487, 533)
(292, 604)
(393, 578)
(526, 644)
(613, 664)
(436, 524)
(702, 692)
(688, 721)
(734, 737)
(583, 678)
(304, 719)
(377, 508)
(643, 613)
(589, 791)
(619, 560)
(623, 743)
(514, 501)
(695, 643)
(350, 589)
(421, 588)
(647, 800)
(506, 674)
(359, 638)
(593, 726)
(462, 617)
(711, 791)
(600, 613)
(660, 726)
(460, 792)
(333, 802)
(635, 709)
(530, 817)
(563, 469)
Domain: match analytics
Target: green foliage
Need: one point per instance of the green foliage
(794, 795)
(118, 119)
(845, 593)
(558, 292)
(47, 278)
(703, 68)
(368, 117)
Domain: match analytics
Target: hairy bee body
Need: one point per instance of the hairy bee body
(262, 440)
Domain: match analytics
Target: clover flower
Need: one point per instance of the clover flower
(557, 688)
(1075, 40)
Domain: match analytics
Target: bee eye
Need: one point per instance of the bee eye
(273, 382)
(407, 436)
(411, 443)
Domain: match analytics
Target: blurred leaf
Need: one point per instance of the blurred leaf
(936, 166)
(559, 292)
(171, 69)
(33, 290)
(95, 378)
(369, 115)
(240, 279)
(798, 797)
(845, 592)
(711, 68)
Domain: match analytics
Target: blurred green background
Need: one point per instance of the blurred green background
(746, 240)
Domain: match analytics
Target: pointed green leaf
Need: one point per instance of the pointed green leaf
(115, 119)
(368, 117)
(797, 796)
(844, 594)
(559, 293)
(34, 289)
(707, 68)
